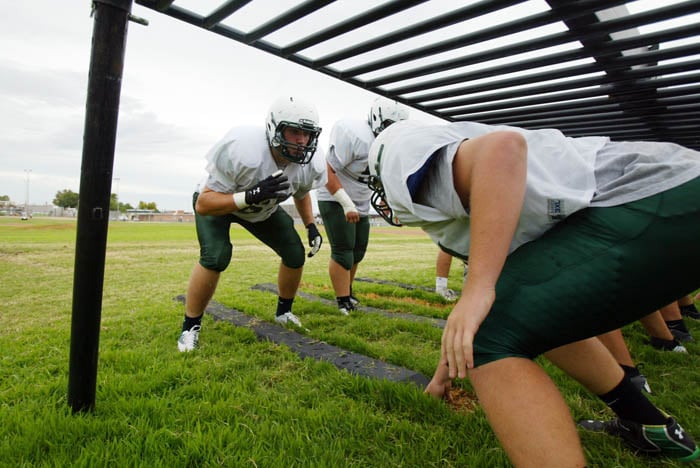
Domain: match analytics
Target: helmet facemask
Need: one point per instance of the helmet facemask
(288, 112)
(299, 154)
(374, 182)
(384, 124)
(378, 201)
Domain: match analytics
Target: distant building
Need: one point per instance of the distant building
(176, 216)
(10, 208)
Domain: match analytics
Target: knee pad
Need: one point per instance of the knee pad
(343, 258)
(217, 260)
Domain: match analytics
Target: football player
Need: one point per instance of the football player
(251, 170)
(344, 201)
(565, 238)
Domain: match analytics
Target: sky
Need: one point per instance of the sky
(182, 89)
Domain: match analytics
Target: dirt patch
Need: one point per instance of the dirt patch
(396, 231)
(56, 227)
(461, 401)
(28, 225)
(411, 300)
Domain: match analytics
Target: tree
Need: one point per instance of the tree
(116, 205)
(113, 202)
(4, 198)
(148, 206)
(66, 199)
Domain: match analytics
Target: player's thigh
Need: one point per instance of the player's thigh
(215, 247)
(361, 238)
(278, 233)
(340, 233)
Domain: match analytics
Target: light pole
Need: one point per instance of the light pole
(26, 195)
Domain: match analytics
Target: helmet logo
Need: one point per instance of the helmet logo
(379, 159)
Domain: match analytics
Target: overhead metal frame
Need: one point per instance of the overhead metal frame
(640, 96)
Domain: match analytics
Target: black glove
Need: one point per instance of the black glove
(315, 239)
(273, 187)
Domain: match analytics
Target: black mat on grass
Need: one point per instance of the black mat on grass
(411, 287)
(304, 346)
(440, 323)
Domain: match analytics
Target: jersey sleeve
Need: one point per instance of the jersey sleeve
(341, 149)
(228, 174)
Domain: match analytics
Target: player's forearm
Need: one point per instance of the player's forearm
(210, 203)
(333, 184)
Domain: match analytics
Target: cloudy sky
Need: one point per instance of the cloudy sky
(182, 89)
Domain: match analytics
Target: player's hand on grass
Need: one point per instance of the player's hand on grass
(440, 385)
(462, 324)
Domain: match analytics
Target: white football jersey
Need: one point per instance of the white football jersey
(242, 158)
(560, 178)
(347, 154)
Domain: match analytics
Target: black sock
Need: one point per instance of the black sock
(190, 322)
(677, 325)
(630, 404)
(630, 371)
(284, 306)
(342, 300)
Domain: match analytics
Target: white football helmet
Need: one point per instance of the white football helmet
(385, 112)
(291, 112)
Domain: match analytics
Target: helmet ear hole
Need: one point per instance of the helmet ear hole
(291, 112)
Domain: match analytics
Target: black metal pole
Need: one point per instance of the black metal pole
(111, 18)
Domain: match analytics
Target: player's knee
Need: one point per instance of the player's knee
(294, 257)
(216, 259)
(359, 255)
(343, 258)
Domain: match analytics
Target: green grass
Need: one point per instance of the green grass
(238, 401)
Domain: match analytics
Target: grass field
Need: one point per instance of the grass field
(238, 401)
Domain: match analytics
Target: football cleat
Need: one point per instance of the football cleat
(345, 306)
(288, 317)
(667, 345)
(447, 294)
(669, 440)
(189, 339)
(690, 311)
